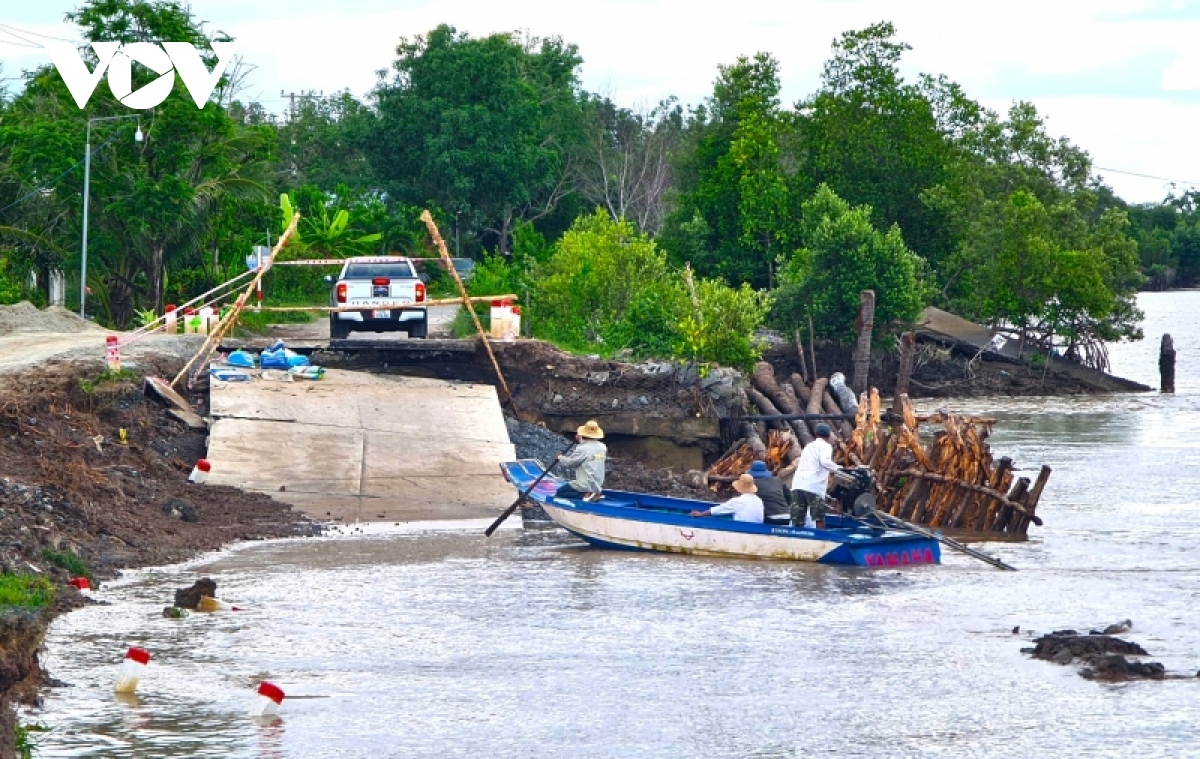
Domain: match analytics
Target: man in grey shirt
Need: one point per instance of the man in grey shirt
(777, 508)
(585, 465)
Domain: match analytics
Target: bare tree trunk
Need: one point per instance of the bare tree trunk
(907, 347)
(803, 362)
(812, 350)
(157, 256)
(865, 324)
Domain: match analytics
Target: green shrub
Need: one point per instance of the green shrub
(25, 591)
(68, 561)
(722, 330)
(598, 271)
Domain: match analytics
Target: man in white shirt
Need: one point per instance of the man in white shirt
(746, 507)
(810, 480)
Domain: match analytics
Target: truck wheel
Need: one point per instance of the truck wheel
(419, 330)
(338, 329)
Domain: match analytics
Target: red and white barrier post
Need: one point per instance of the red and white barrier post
(112, 353)
(132, 670)
(267, 701)
(200, 472)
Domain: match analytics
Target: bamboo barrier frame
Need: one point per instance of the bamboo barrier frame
(414, 304)
(466, 301)
(215, 336)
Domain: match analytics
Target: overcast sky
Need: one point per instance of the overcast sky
(1121, 78)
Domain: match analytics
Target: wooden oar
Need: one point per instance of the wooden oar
(508, 512)
(883, 518)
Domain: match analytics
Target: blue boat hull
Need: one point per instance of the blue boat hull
(639, 521)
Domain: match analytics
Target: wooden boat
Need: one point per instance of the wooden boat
(638, 521)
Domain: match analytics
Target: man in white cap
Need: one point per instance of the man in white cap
(811, 479)
(746, 507)
(585, 465)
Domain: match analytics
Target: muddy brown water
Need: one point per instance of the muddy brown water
(431, 641)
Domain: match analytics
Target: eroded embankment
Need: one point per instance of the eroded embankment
(72, 494)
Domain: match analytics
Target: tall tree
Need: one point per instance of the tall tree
(876, 140)
(480, 128)
(736, 208)
(845, 254)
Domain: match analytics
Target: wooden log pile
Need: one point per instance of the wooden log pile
(950, 480)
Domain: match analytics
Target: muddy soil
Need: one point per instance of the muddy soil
(68, 483)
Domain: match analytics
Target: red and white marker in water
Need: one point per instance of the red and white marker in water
(132, 670)
(80, 582)
(200, 472)
(267, 702)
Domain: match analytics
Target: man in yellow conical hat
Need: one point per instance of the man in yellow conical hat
(585, 465)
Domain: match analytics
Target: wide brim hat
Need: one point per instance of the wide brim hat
(745, 484)
(591, 430)
(759, 471)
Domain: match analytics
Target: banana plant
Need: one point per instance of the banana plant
(328, 232)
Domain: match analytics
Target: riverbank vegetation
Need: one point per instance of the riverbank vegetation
(676, 230)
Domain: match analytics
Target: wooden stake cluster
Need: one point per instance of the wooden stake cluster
(951, 480)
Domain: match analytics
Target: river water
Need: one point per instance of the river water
(432, 641)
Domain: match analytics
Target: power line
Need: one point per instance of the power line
(35, 34)
(1146, 176)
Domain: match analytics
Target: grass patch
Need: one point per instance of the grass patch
(68, 561)
(23, 739)
(108, 377)
(259, 322)
(25, 591)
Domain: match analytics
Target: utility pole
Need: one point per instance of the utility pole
(292, 98)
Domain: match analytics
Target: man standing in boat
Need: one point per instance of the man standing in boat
(746, 507)
(585, 465)
(777, 509)
(811, 479)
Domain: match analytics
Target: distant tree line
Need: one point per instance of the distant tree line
(673, 230)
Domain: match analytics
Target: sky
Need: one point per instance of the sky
(1120, 78)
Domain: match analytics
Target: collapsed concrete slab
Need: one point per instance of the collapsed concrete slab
(363, 447)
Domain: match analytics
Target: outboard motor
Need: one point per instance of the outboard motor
(854, 489)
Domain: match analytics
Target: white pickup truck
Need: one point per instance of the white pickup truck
(390, 295)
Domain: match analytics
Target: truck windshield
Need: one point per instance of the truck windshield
(390, 269)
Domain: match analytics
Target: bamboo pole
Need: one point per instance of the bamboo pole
(466, 300)
(225, 324)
